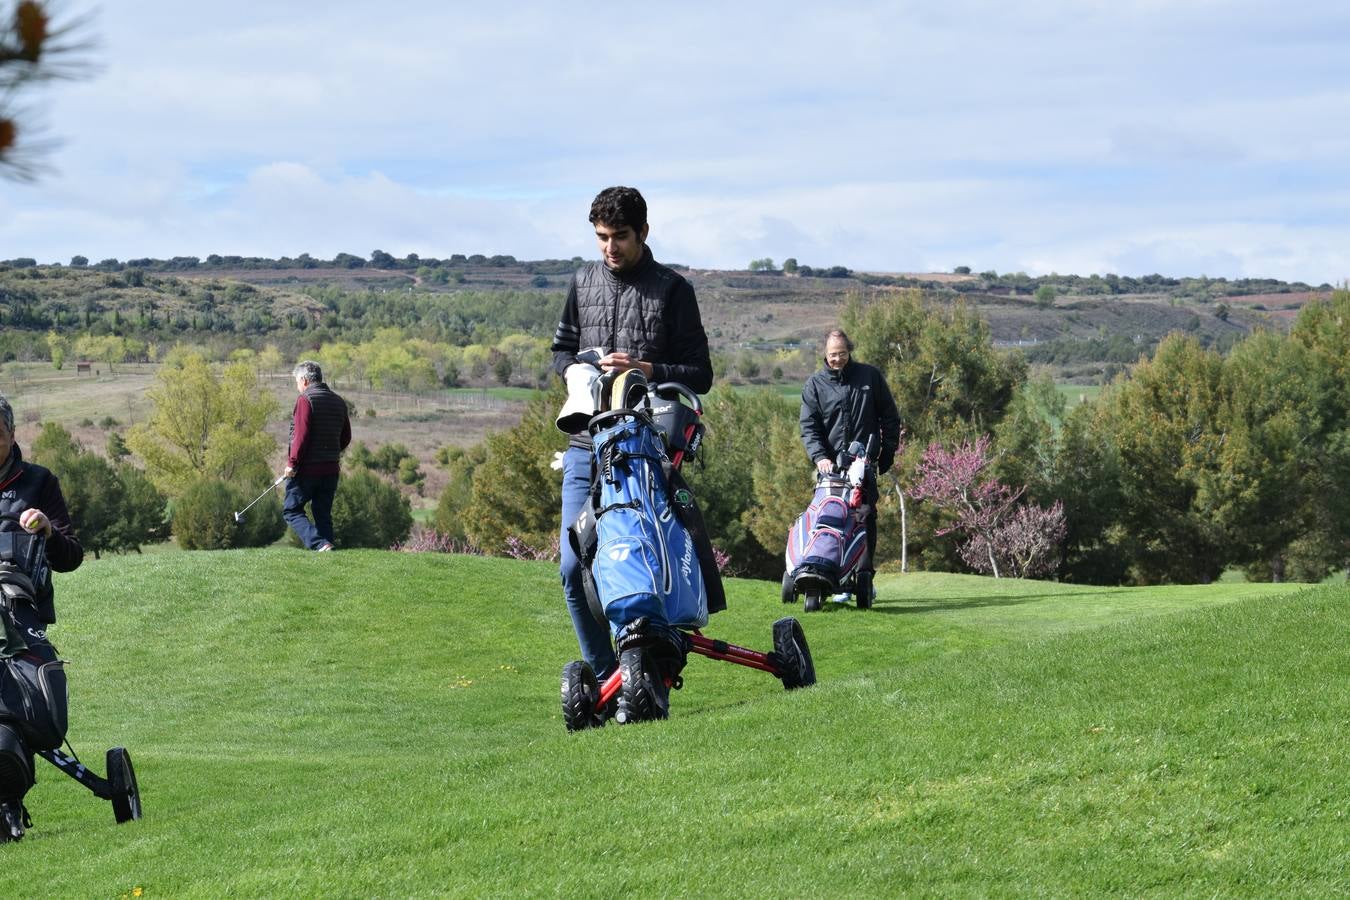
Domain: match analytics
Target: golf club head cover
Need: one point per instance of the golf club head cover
(580, 404)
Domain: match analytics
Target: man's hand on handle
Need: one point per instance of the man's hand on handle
(824, 466)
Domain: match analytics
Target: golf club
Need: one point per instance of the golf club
(239, 516)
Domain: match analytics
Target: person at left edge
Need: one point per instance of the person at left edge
(31, 507)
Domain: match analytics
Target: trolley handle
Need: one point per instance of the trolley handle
(684, 391)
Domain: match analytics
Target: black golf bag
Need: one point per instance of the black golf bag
(33, 701)
(32, 678)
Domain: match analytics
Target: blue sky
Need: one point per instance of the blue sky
(1185, 137)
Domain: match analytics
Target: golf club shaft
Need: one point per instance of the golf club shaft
(270, 487)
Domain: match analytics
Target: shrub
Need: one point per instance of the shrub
(369, 512)
(262, 524)
(203, 517)
(458, 493)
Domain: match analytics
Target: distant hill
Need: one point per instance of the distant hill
(1075, 323)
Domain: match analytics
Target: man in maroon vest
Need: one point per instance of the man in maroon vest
(320, 431)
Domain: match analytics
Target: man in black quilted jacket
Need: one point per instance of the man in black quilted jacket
(639, 314)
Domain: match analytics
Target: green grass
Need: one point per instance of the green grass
(1075, 394)
(374, 724)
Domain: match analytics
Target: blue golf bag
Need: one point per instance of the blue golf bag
(645, 563)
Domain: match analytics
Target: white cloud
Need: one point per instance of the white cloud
(1048, 135)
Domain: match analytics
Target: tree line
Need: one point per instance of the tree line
(1189, 463)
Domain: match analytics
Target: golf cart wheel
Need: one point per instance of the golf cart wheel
(126, 795)
(813, 596)
(628, 390)
(580, 691)
(862, 589)
(793, 656)
(789, 591)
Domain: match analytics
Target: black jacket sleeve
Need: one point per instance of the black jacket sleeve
(64, 551)
(567, 338)
(814, 438)
(888, 421)
(688, 362)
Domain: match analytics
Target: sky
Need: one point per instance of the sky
(1183, 137)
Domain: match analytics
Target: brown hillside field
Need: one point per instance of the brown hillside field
(81, 403)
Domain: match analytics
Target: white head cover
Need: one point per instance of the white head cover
(580, 405)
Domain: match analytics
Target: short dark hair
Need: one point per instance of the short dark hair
(7, 416)
(619, 206)
(842, 335)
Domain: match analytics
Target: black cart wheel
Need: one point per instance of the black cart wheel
(789, 590)
(862, 589)
(813, 595)
(126, 795)
(580, 691)
(793, 657)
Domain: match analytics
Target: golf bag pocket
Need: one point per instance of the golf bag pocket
(627, 567)
(33, 696)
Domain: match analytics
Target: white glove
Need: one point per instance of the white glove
(557, 461)
(856, 470)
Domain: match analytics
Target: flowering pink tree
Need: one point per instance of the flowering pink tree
(1021, 540)
(1026, 545)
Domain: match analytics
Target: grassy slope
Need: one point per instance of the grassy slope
(376, 724)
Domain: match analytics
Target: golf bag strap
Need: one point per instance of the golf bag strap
(692, 519)
(583, 537)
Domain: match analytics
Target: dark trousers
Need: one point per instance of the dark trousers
(317, 491)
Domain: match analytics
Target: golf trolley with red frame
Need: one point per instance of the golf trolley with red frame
(672, 413)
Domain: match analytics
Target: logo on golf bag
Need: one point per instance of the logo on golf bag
(620, 553)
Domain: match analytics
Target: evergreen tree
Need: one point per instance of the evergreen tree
(515, 493)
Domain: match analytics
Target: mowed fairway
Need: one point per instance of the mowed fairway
(377, 724)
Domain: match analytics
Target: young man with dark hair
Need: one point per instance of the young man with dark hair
(849, 401)
(640, 315)
(320, 431)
